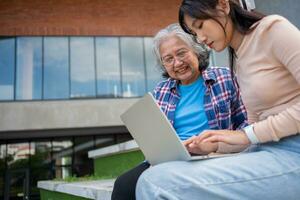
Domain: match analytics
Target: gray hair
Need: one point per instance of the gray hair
(175, 30)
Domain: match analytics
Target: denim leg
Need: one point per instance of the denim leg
(270, 172)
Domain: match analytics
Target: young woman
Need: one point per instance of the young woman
(265, 52)
(193, 97)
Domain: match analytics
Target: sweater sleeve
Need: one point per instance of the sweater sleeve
(252, 117)
(285, 40)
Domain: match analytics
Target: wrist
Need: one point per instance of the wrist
(249, 132)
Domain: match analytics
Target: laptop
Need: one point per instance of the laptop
(155, 135)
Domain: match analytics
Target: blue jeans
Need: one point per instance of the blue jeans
(266, 171)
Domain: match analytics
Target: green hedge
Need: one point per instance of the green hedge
(50, 195)
(114, 165)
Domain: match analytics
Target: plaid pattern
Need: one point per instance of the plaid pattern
(222, 101)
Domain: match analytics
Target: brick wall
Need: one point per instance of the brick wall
(86, 17)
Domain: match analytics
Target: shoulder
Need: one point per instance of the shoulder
(223, 79)
(274, 23)
(165, 83)
(164, 87)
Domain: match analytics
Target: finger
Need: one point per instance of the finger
(219, 138)
(207, 134)
(195, 150)
(189, 140)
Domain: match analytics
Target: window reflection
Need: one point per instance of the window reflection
(40, 164)
(77, 67)
(82, 67)
(154, 73)
(7, 66)
(108, 67)
(56, 68)
(29, 68)
(82, 164)
(2, 168)
(18, 155)
(133, 73)
(62, 157)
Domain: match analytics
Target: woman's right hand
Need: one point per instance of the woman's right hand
(203, 148)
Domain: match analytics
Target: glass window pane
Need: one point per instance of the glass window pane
(82, 67)
(83, 165)
(63, 172)
(7, 68)
(18, 179)
(2, 168)
(154, 73)
(2, 156)
(133, 68)
(29, 68)
(56, 68)
(108, 67)
(18, 155)
(37, 174)
(62, 156)
(41, 156)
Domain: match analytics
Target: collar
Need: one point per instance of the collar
(208, 76)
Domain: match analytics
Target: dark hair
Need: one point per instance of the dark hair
(242, 19)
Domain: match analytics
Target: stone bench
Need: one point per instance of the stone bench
(98, 190)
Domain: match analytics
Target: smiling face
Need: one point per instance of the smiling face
(180, 62)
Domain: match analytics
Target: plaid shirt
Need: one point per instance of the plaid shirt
(222, 101)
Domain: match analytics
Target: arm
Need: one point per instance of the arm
(252, 117)
(286, 50)
(238, 110)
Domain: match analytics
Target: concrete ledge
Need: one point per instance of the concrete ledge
(64, 114)
(114, 149)
(98, 190)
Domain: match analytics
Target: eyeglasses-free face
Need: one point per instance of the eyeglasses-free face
(180, 62)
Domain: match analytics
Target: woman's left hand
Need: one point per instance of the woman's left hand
(209, 137)
(226, 136)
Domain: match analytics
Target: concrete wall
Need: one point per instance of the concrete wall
(17, 116)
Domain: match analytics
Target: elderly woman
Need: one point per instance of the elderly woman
(193, 97)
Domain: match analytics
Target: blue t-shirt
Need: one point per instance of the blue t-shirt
(190, 117)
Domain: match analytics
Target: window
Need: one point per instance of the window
(133, 71)
(82, 67)
(56, 68)
(29, 68)
(7, 68)
(62, 157)
(153, 70)
(38, 68)
(2, 168)
(108, 67)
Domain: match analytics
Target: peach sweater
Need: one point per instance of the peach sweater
(268, 72)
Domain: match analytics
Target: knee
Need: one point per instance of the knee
(152, 177)
(143, 186)
(152, 182)
(119, 182)
(119, 189)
